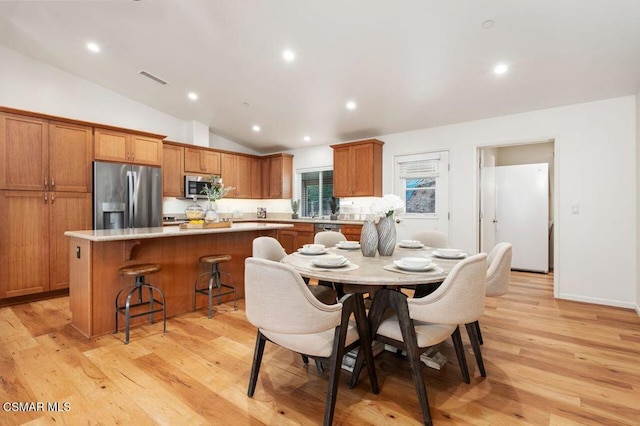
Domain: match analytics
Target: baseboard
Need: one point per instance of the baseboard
(597, 301)
(638, 310)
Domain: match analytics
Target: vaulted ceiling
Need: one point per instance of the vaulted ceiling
(407, 64)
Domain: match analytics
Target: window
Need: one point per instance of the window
(418, 176)
(316, 191)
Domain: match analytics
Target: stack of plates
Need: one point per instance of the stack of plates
(414, 244)
(330, 261)
(449, 254)
(413, 267)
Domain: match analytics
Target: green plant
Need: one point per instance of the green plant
(295, 205)
(334, 205)
(216, 190)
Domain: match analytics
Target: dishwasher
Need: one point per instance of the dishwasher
(319, 227)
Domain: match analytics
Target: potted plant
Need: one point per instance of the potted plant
(334, 206)
(295, 204)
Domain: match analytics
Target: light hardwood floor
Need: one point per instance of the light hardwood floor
(548, 362)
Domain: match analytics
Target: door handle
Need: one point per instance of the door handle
(495, 221)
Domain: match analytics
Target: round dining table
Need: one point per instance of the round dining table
(360, 275)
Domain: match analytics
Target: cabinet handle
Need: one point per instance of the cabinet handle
(133, 156)
(53, 183)
(53, 198)
(46, 182)
(45, 198)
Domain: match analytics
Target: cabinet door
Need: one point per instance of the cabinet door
(70, 156)
(266, 177)
(111, 145)
(24, 251)
(275, 177)
(361, 161)
(24, 153)
(352, 232)
(229, 172)
(287, 239)
(341, 172)
(210, 162)
(243, 181)
(256, 178)
(192, 162)
(172, 174)
(145, 150)
(69, 211)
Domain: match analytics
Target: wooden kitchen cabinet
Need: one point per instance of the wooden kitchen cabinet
(39, 155)
(256, 178)
(277, 176)
(351, 232)
(202, 161)
(114, 145)
(34, 255)
(24, 153)
(172, 170)
(293, 238)
(244, 177)
(229, 172)
(357, 169)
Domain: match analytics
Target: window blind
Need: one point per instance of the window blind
(416, 169)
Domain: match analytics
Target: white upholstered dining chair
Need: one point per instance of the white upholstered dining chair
(435, 239)
(329, 238)
(498, 274)
(280, 305)
(419, 323)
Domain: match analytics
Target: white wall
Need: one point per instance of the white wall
(595, 167)
(638, 200)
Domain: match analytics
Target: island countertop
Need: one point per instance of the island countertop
(168, 231)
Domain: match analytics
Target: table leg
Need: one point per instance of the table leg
(365, 354)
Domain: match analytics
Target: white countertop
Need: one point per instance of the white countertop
(167, 231)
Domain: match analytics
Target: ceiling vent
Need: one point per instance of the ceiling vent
(153, 77)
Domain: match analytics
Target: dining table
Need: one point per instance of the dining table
(361, 275)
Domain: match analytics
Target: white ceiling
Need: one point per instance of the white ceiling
(409, 64)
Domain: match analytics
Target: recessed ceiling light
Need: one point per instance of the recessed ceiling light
(307, 139)
(289, 55)
(193, 96)
(256, 128)
(500, 68)
(351, 105)
(93, 47)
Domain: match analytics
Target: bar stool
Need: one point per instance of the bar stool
(139, 272)
(215, 281)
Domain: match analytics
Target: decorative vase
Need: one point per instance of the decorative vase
(369, 239)
(386, 236)
(211, 212)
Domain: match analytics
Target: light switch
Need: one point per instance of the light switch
(575, 209)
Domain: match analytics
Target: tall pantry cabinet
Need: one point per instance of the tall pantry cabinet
(45, 190)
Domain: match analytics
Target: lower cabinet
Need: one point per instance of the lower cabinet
(352, 232)
(293, 238)
(34, 254)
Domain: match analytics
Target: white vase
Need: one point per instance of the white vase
(386, 236)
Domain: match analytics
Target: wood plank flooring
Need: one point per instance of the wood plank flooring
(549, 362)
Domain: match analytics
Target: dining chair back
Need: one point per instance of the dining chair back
(435, 239)
(280, 305)
(329, 238)
(268, 248)
(420, 323)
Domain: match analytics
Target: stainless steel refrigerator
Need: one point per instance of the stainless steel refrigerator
(126, 196)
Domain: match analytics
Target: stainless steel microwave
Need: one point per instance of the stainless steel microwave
(194, 185)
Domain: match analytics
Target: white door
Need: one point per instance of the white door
(422, 180)
(487, 199)
(522, 214)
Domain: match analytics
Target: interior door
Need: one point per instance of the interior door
(487, 199)
(522, 214)
(410, 223)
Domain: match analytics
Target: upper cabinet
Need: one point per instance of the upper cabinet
(357, 169)
(229, 172)
(277, 175)
(201, 161)
(172, 170)
(43, 155)
(114, 145)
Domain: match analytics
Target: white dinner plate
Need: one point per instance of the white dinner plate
(319, 263)
(460, 255)
(348, 248)
(315, 253)
(400, 264)
(412, 246)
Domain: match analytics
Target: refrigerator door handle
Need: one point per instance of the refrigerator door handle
(130, 187)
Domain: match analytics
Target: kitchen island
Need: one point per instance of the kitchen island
(95, 257)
